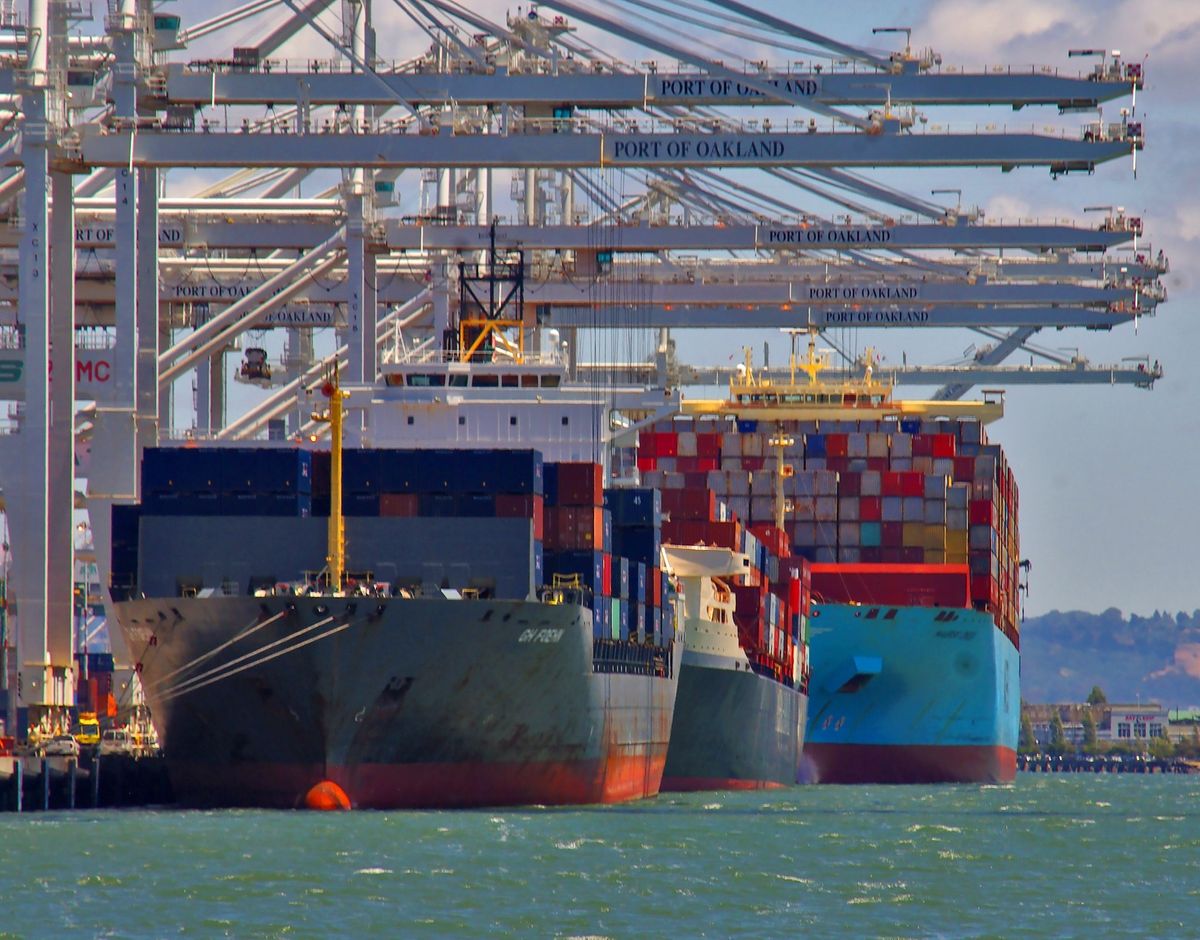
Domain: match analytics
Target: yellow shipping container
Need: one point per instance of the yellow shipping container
(935, 556)
(935, 538)
(914, 534)
(956, 543)
(956, 558)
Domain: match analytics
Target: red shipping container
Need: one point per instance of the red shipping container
(892, 534)
(850, 484)
(870, 508)
(776, 540)
(922, 445)
(667, 444)
(580, 484)
(656, 587)
(646, 464)
(690, 504)
(878, 464)
(687, 464)
(983, 512)
(964, 469)
(912, 484)
(396, 505)
(697, 478)
(837, 445)
(708, 445)
(606, 574)
(892, 483)
(725, 534)
(837, 464)
(893, 585)
(944, 445)
(753, 464)
(647, 444)
(705, 464)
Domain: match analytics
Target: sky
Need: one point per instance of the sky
(1107, 475)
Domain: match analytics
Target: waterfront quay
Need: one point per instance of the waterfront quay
(1104, 764)
(35, 783)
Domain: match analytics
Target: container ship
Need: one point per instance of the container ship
(911, 527)
(483, 645)
(741, 706)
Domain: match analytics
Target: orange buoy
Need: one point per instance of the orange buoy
(326, 796)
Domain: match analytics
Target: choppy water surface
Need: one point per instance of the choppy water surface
(1049, 856)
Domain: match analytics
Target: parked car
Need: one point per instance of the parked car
(61, 745)
(116, 741)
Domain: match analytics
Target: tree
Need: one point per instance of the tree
(1161, 748)
(1026, 743)
(1089, 731)
(1097, 696)
(1058, 735)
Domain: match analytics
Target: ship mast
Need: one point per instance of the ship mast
(335, 560)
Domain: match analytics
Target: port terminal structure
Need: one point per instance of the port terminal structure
(107, 276)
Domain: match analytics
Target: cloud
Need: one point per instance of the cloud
(978, 31)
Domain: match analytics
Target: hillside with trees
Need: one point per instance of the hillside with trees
(1064, 654)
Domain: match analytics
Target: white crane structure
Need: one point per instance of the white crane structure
(339, 195)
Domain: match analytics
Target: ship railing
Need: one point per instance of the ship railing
(399, 356)
(629, 657)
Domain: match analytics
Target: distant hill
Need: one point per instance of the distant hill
(1156, 658)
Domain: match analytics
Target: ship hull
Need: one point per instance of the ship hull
(733, 729)
(911, 695)
(403, 703)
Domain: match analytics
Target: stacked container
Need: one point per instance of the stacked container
(907, 492)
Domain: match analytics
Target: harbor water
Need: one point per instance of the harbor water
(1053, 855)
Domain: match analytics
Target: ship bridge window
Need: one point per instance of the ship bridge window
(850, 399)
(426, 381)
(550, 381)
(565, 421)
(459, 381)
(485, 381)
(822, 399)
(529, 381)
(462, 420)
(508, 381)
(512, 420)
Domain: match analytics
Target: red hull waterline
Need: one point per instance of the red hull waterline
(911, 763)
(694, 784)
(425, 786)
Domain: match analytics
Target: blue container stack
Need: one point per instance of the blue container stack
(226, 481)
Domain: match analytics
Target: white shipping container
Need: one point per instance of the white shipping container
(877, 444)
(871, 483)
(752, 445)
(901, 447)
(739, 482)
(849, 555)
(956, 520)
(718, 482)
(913, 509)
(814, 463)
(902, 464)
(935, 512)
(848, 509)
(687, 444)
(739, 506)
(731, 444)
(826, 509)
(935, 486)
(848, 534)
(957, 495)
(804, 508)
(893, 509)
(856, 445)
